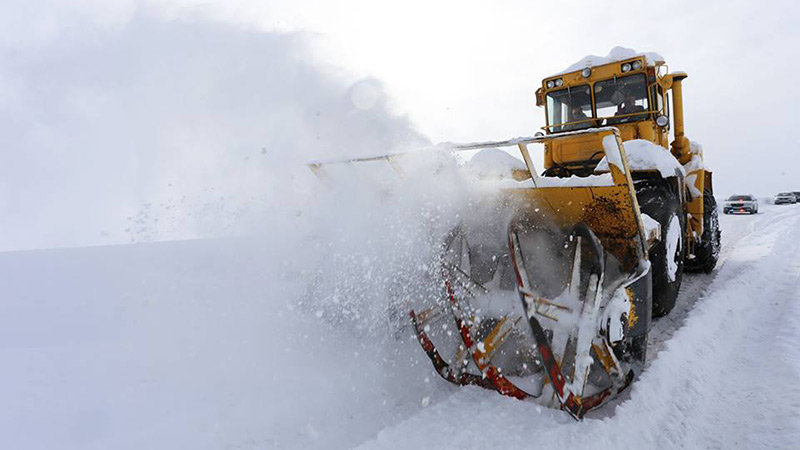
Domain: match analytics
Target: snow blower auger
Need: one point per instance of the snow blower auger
(551, 302)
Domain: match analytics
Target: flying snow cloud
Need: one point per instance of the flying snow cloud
(153, 129)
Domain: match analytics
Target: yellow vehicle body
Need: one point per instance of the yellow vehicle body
(659, 85)
(564, 353)
(558, 311)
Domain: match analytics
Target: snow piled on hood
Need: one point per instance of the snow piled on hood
(644, 155)
(494, 163)
(616, 54)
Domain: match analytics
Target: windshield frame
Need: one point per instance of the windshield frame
(617, 118)
(552, 96)
(646, 114)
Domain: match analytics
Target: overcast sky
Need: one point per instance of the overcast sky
(453, 71)
(468, 70)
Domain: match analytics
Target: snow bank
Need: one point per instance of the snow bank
(204, 344)
(616, 54)
(644, 155)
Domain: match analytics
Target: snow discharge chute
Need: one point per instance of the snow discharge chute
(549, 300)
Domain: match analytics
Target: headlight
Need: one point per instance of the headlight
(550, 84)
(586, 72)
(626, 67)
(662, 121)
(559, 82)
(637, 65)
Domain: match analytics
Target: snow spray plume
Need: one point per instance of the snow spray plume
(157, 129)
(378, 241)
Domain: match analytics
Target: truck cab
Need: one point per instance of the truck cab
(632, 93)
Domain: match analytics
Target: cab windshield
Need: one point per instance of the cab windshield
(569, 109)
(619, 99)
(739, 198)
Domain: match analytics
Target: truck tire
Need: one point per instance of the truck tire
(659, 200)
(706, 252)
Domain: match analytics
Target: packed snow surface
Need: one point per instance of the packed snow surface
(227, 344)
(616, 54)
(644, 155)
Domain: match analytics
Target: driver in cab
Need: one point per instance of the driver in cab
(578, 115)
(578, 119)
(629, 106)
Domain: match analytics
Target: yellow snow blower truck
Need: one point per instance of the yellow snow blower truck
(551, 297)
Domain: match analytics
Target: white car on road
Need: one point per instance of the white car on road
(740, 204)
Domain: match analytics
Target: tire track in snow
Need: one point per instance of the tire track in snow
(714, 384)
(764, 356)
(735, 229)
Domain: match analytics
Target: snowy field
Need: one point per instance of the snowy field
(218, 344)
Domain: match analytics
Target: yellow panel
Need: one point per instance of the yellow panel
(579, 148)
(608, 210)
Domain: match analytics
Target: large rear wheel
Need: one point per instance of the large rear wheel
(706, 251)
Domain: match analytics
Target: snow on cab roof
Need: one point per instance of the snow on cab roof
(616, 54)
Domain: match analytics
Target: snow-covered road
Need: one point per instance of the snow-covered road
(200, 344)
